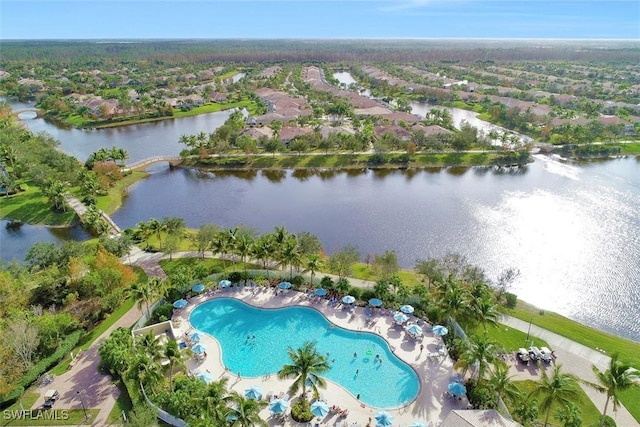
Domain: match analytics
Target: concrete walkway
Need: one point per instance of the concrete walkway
(576, 359)
(96, 390)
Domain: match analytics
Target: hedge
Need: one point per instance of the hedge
(41, 367)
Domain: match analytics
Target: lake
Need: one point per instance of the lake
(572, 230)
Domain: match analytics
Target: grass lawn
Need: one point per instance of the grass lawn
(33, 207)
(589, 413)
(510, 339)
(214, 107)
(123, 403)
(631, 148)
(592, 338)
(57, 417)
(364, 271)
(213, 265)
(112, 201)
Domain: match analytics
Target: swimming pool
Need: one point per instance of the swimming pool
(389, 384)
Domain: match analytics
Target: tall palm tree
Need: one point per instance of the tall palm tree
(246, 412)
(313, 264)
(244, 246)
(173, 354)
(289, 255)
(220, 246)
(485, 311)
(145, 370)
(263, 250)
(151, 345)
(479, 354)
(216, 398)
(618, 377)
(156, 226)
(306, 367)
(143, 292)
(560, 387)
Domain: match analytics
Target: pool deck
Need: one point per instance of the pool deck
(435, 373)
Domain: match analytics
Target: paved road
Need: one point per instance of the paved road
(576, 359)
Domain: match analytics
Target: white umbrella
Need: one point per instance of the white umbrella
(319, 409)
(348, 299)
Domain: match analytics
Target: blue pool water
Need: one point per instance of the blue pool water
(389, 384)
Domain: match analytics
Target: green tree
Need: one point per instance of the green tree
(245, 412)
(175, 357)
(307, 366)
(341, 261)
(618, 377)
(205, 236)
(116, 351)
(56, 192)
(558, 388)
(501, 382)
(145, 370)
(479, 355)
(313, 264)
(386, 264)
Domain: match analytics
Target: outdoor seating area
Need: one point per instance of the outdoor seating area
(344, 409)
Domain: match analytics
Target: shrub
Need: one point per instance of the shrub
(326, 282)
(301, 411)
(161, 314)
(511, 300)
(608, 422)
(41, 367)
(235, 277)
(481, 397)
(297, 281)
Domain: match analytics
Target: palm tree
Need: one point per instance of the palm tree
(485, 311)
(314, 262)
(479, 354)
(289, 255)
(246, 411)
(145, 370)
(263, 249)
(216, 398)
(172, 353)
(56, 192)
(560, 387)
(156, 226)
(244, 246)
(151, 345)
(618, 377)
(501, 383)
(306, 367)
(143, 293)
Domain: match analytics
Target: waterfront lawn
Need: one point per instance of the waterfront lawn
(631, 148)
(508, 338)
(588, 411)
(629, 350)
(113, 200)
(215, 107)
(33, 207)
(364, 271)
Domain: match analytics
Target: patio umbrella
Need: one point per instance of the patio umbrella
(233, 414)
(348, 299)
(284, 285)
(418, 424)
(457, 388)
(407, 309)
(199, 348)
(225, 283)
(181, 303)
(375, 302)
(319, 409)
(383, 419)
(440, 330)
(195, 337)
(400, 317)
(278, 406)
(205, 376)
(320, 292)
(414, 329)
(198, 288)
(254, 393)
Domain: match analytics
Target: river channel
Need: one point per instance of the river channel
(572, 230)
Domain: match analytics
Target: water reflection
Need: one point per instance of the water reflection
(274, 176)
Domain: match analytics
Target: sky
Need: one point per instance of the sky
(211, 19)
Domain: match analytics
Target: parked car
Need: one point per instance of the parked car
(523, 355)
(50, 398)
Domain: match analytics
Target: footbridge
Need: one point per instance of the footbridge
(141, 164)
(81, 209)
(39, 112)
